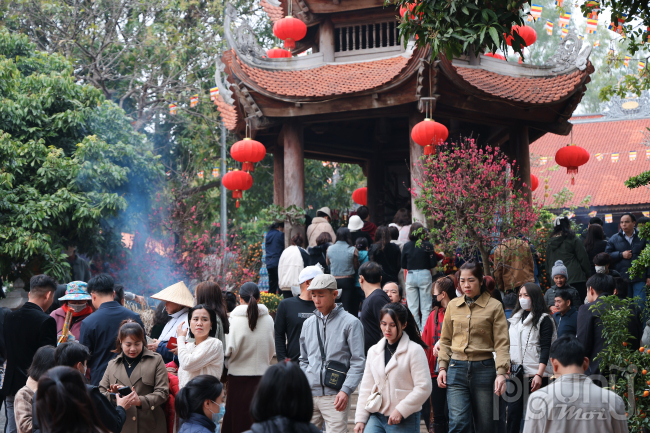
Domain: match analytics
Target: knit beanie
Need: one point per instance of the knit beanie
(559, 269)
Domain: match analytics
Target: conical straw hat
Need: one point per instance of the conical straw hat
(177, 293)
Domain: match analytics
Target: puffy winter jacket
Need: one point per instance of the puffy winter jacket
(280, 424)
(274, 244)
(573, 254)
(342, 336)
(319, 225)
(617, 245)
(198, 423)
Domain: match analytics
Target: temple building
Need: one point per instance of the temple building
(353, 91)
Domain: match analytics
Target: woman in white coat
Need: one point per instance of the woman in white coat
(397, 368)
(205, 354)
(249, 352)
(532, 331)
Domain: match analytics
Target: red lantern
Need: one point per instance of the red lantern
(428, 134)
(495, 56)
(278, 53)
(534, 182)
(290, 30)
(528, 34)
(237, 181)
(360, 196)
(571, 157)
(248, 152)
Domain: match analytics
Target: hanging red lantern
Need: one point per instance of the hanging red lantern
(534, 182)
(528, 34)
(429, 134)
(290, 30)
(572, 157)
(360, 196)
(237, 181)
(278, 53)
(495, 56)
(248, 152)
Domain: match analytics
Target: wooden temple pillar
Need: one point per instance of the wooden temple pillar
(375, 189)
(294, 172)
(326, 40)
(520, 152)
(278, 175)
(416, 151)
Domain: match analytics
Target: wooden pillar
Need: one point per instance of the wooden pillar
(326, 40)
(520, 142)
(376, 189)
(294, 172)
(416, 151)
(278, 176)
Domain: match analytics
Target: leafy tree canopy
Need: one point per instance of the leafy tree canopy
(70, 163)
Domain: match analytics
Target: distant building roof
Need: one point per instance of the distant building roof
(621, 129)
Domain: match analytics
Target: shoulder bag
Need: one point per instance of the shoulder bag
(518, 369)
(375, 400)
(335, 372)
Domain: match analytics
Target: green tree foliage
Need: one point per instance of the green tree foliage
(70, 163)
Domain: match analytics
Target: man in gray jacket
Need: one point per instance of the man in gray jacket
(573, 403)
(342, 337)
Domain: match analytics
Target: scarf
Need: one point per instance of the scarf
(86, 311)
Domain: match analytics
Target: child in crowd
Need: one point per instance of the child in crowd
(560, 276)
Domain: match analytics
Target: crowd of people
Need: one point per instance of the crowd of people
(365, 309)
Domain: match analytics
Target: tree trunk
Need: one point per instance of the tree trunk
(485, 256)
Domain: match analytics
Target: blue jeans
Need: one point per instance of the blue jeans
(638, 290)
(378, 423)
(418, 295)
(470, 396)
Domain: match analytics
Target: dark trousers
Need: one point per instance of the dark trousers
(437, 402)
(287, 294)
(582, 290)
(517, 398)
(351, 296)
(273, 280)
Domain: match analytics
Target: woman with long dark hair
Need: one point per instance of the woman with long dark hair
(396, 367)
(475, 326)
(209, 293)
(283, 401)
(532, 331)
(418, 260)
(343, 260)
(205, 354)
(63, 404)
(403, 220)
(248, 354)
(387, 254)
(444, 291)
(200, 404)
(595, 243)
(318, 253)
(566, 246)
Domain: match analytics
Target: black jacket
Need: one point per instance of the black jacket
(597, 248)
(318, 254)
(590, 332)
(280, 424)
(3, 348)
(112, 417)
(390, 259)
(617, 245)
(25, 331)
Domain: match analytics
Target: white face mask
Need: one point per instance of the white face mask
(77, 308)
(525, 303)
(601, 269)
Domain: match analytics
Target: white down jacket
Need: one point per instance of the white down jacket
(525, 345)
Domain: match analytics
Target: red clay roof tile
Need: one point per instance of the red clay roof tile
(275, 13)
(228, 113)
(603, 180)
(529, 90)
(329, 79)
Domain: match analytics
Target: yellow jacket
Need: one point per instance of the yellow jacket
(473, 333)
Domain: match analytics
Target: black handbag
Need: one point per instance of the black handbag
(335, 372)
(518, 369)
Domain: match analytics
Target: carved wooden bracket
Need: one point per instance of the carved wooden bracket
(427, 98)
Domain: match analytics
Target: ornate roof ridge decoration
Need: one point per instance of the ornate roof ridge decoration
(224, 91)
(570, 54)
(631, 108)
(241, 37)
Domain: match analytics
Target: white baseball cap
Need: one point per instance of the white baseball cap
(309, 273)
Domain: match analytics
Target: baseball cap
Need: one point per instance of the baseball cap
(323, 281)
(309, 273)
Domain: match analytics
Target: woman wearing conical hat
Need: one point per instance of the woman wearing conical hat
(178, 300)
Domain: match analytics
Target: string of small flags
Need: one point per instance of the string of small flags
(215, 173)
(632, 154)
(194, 100)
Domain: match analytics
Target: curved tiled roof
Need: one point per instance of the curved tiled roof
(327, 80)
(275, 13)
(228, 113)
(604, 179)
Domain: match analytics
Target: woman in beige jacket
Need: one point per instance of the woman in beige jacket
(397, 367)
(144, 372)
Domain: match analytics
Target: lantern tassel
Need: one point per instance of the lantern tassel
(429, 149)
(237, 204)
(573, 180)
(248, 167)
(572, 170)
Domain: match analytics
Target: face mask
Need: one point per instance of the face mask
(436, 302)
(601, 269)
(216, 417)
(77, 308)
(525, 303)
